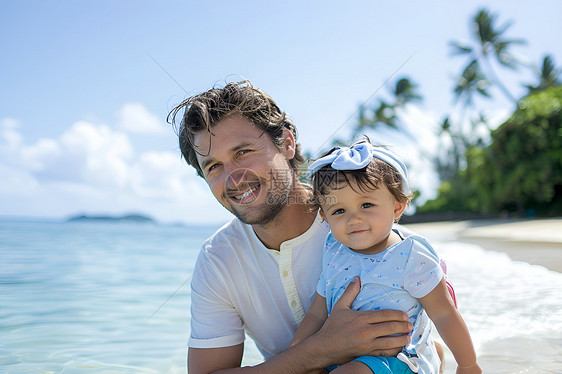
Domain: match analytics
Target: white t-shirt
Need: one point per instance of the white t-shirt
(240, 285)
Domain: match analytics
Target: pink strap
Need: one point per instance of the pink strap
(451, 292)
(449, 285)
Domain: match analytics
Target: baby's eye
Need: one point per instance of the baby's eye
(338, 211)
(366, 205)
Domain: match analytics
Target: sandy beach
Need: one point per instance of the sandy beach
(535, 241)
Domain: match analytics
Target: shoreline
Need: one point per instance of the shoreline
(535, 241)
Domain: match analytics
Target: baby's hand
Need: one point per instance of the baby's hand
(473, 369)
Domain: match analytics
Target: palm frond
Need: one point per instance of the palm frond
(460, 49)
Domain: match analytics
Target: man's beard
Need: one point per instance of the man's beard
(266, 212)
(275, 203)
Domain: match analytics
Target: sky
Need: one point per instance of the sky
(85, 88)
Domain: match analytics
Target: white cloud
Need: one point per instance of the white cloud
(9, 136)
(9, 123)
(93, 169)
(420, 151)
(15, 182)
(135, 118)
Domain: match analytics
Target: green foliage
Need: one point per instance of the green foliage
(522, 168)
(520, 171)
(548, 75)
(519, 167)
(453, 196)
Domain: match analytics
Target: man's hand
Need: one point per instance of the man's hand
(348, 334)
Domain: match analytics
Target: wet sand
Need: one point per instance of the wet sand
(535, 241)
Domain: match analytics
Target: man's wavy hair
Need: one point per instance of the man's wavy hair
(203, 111)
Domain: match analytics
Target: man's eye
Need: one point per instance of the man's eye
(212, 167)
(339, 211)
(366, 205)
(243, 151)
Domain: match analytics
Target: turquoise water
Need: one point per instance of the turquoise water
(114, 298)
(89, 296)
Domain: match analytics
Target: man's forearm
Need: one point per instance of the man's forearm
(306, 357)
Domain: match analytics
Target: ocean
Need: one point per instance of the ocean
(92, 297)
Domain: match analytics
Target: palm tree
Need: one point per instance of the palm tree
(475, 80)
(548, 75)
(405, 92)
(472, 81)
(490, 44)
(448, 166)
(385, 113)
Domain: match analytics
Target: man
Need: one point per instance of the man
(258, 273)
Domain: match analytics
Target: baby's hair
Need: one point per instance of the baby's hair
(367, 180)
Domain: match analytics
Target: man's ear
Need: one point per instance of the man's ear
(322, 214)
(288, 147)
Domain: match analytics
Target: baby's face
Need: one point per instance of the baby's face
(361, 220)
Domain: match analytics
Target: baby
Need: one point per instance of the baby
(362, 191)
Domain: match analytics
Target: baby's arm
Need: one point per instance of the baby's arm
(313, 321)
(441, 309)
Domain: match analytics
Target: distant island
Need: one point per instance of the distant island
(126, 218)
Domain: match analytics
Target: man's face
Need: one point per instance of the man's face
(247, 173)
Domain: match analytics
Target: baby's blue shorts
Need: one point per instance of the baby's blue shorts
(385, 365)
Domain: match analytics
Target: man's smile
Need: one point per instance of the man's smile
(247, 193)
(244, 196)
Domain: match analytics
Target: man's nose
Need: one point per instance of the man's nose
(235, 176)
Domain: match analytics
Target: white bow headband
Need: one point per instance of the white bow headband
(359, 156)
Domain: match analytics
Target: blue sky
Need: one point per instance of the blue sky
(85, 87)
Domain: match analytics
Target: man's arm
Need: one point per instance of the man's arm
(209, 360)
(345, 335)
